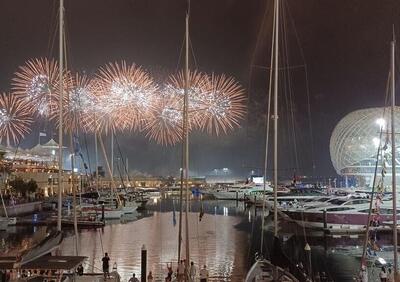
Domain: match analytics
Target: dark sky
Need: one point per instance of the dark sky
(345, 43)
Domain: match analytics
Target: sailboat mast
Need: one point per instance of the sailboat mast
(74, 191)
(267, 137)
(186, 134)
(60, 127)
(112, 153)
(394, 192)
(276, 57)
(127, 171)
(96, 153)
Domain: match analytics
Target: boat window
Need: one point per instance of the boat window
(357, 202)
(364, 211)
(323, 199)
(388, 211)
(339, 209)
(337, 202)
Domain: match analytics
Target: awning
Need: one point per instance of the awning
(45, 263)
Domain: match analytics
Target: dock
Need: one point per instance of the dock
(65, 222)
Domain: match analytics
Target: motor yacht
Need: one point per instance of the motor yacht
(340, 213)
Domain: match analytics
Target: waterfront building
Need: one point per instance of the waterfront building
(39, 163)
(354, 145)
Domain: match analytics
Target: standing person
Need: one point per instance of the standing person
(170, 272)
(390, 275)
(79, 270)
(181, 271)
(106, 265)
(150, 277)
(323, 277)
(192, 272)
(133, 278)
(204, 274)
(363, 275)
(383, 275)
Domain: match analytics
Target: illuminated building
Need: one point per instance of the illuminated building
(39, 163)
(355, 141)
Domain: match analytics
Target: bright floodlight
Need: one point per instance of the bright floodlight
(381, 122)
(375, 140)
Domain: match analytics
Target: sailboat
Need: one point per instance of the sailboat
(394, 215)
(263, 269)
(6, 220)
(185, 153)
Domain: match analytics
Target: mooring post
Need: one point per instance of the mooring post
(144, 264)
(325, 220)
(102, 212)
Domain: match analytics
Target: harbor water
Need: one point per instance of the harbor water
(225, 239)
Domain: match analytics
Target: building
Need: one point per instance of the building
(40, 163)
(355, 141)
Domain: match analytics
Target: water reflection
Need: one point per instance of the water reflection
(214, 241)
(225, 240)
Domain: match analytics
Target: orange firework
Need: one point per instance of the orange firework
(15, 118)
(100, 113)
(130, 92)
(164, 123)
(197, 84)
(35, 82)
(221, 105)
(78, 105)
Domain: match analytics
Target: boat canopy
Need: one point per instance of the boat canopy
(45, 263)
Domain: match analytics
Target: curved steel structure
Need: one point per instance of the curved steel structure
(355, 140)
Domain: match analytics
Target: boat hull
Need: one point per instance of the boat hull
(3, 224)
(21, 209)
(263, 270)
(333, 220)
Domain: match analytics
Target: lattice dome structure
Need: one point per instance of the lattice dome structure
(355, 140)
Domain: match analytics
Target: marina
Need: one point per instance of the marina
(199, 141)
(225, 239)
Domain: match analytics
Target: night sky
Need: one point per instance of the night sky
(345, 44)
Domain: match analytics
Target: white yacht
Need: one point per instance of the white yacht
(341, 214)
(240, 192)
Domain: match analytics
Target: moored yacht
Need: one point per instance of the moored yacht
(349, 214)
(240, 192)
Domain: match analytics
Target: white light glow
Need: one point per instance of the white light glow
(381, 122)
(376, 142)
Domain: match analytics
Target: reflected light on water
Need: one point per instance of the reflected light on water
(214, 242)
(225, 211)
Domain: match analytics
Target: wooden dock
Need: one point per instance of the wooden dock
(65, 222)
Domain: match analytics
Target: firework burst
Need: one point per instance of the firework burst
(130, 93)
(15, 118)
(100, 113)
(197, 84)
(78, 103)
(221, 104)
(164, 123)
(35, 82)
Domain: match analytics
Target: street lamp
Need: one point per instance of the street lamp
(225, 170)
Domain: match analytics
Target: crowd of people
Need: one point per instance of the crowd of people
(182, 272)
(385, 275)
